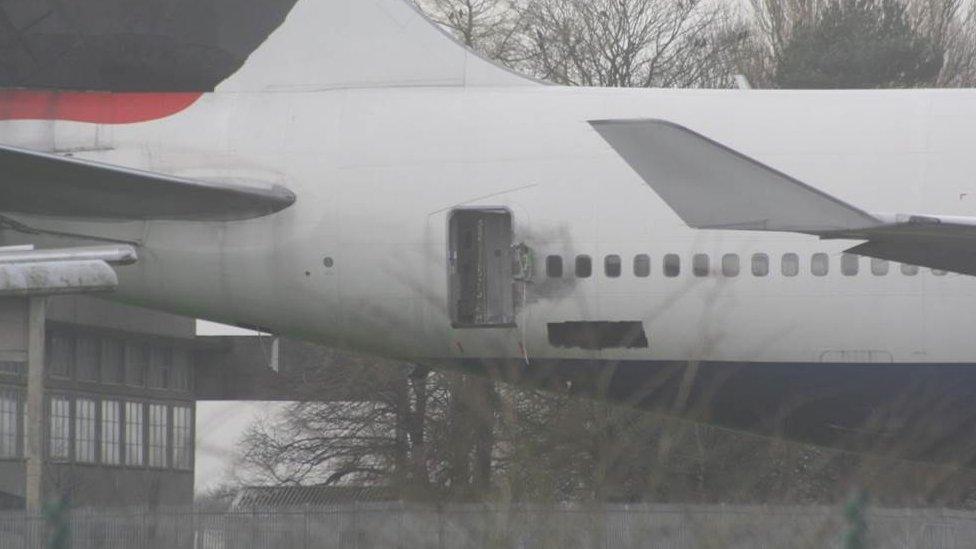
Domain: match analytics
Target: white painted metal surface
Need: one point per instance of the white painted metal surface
(378, 163)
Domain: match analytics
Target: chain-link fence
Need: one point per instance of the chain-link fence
(410, 526)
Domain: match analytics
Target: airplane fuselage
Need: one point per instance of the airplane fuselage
(363, 259)
(366, 259)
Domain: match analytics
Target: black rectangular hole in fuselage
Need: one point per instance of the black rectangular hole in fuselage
(595, 336)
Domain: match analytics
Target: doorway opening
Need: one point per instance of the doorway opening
(481, 271)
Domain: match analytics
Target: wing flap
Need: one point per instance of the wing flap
(47, 184)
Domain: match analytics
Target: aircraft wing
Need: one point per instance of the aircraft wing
(47, 184)
(711, 186)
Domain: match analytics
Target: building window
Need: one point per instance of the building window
(60, 354)
(9, 407)
(13, 367)
(642, 266)
(182, 437)
(730, 265)
(879, 267)
(84, 430)
(60, 436)
(819, 264)
(137, 357)
(699, 265)
(113, 361)
(850, 264)
(790, 265)
(111, 432)
(87, 351)
(134, 428)
(158, 428)
(909, 270)
(584, 266)
(672, 265)
(159, 368)
(554, 266)
(760, 265)
(181, 370)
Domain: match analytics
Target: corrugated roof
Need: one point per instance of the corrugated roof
(264, 497)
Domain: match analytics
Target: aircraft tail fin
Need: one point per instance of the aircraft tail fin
(342, 44)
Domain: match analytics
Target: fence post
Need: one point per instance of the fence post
(307, 533)
(440, 526)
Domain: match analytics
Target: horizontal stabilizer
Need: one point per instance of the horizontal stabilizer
(46, 184)
(940, 242)
(711, 186)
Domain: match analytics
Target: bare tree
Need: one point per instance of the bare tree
(490, 27)
(626, 43)
(943, 27)
(952, 25)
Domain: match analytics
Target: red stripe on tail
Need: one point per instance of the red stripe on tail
(95, 107)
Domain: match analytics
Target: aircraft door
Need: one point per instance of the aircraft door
(481, 269)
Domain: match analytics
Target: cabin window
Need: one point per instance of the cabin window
(879, 267)
(730, 265)
(584, 266)
(642, 266)
(820, 264)
(699, 265)
(850, 264)
(760, 264)
(612, 266)
(909, 270)
(672, 265)
(554, 266)
(790, 265)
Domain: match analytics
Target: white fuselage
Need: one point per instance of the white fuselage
(378, 172)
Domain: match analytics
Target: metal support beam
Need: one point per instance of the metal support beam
(34, 421)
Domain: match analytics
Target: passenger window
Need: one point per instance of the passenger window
(939, 272)
(554, 266)
(879, 267)
(850, 264)
(730, 265)
(699, 265)
(760, 264)
(612, 266)
(672, 265)
(790, 265)
(909, 270)
(820, 264)
(642, 266)
(584, 266)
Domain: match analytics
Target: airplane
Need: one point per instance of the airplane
(364, 181)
